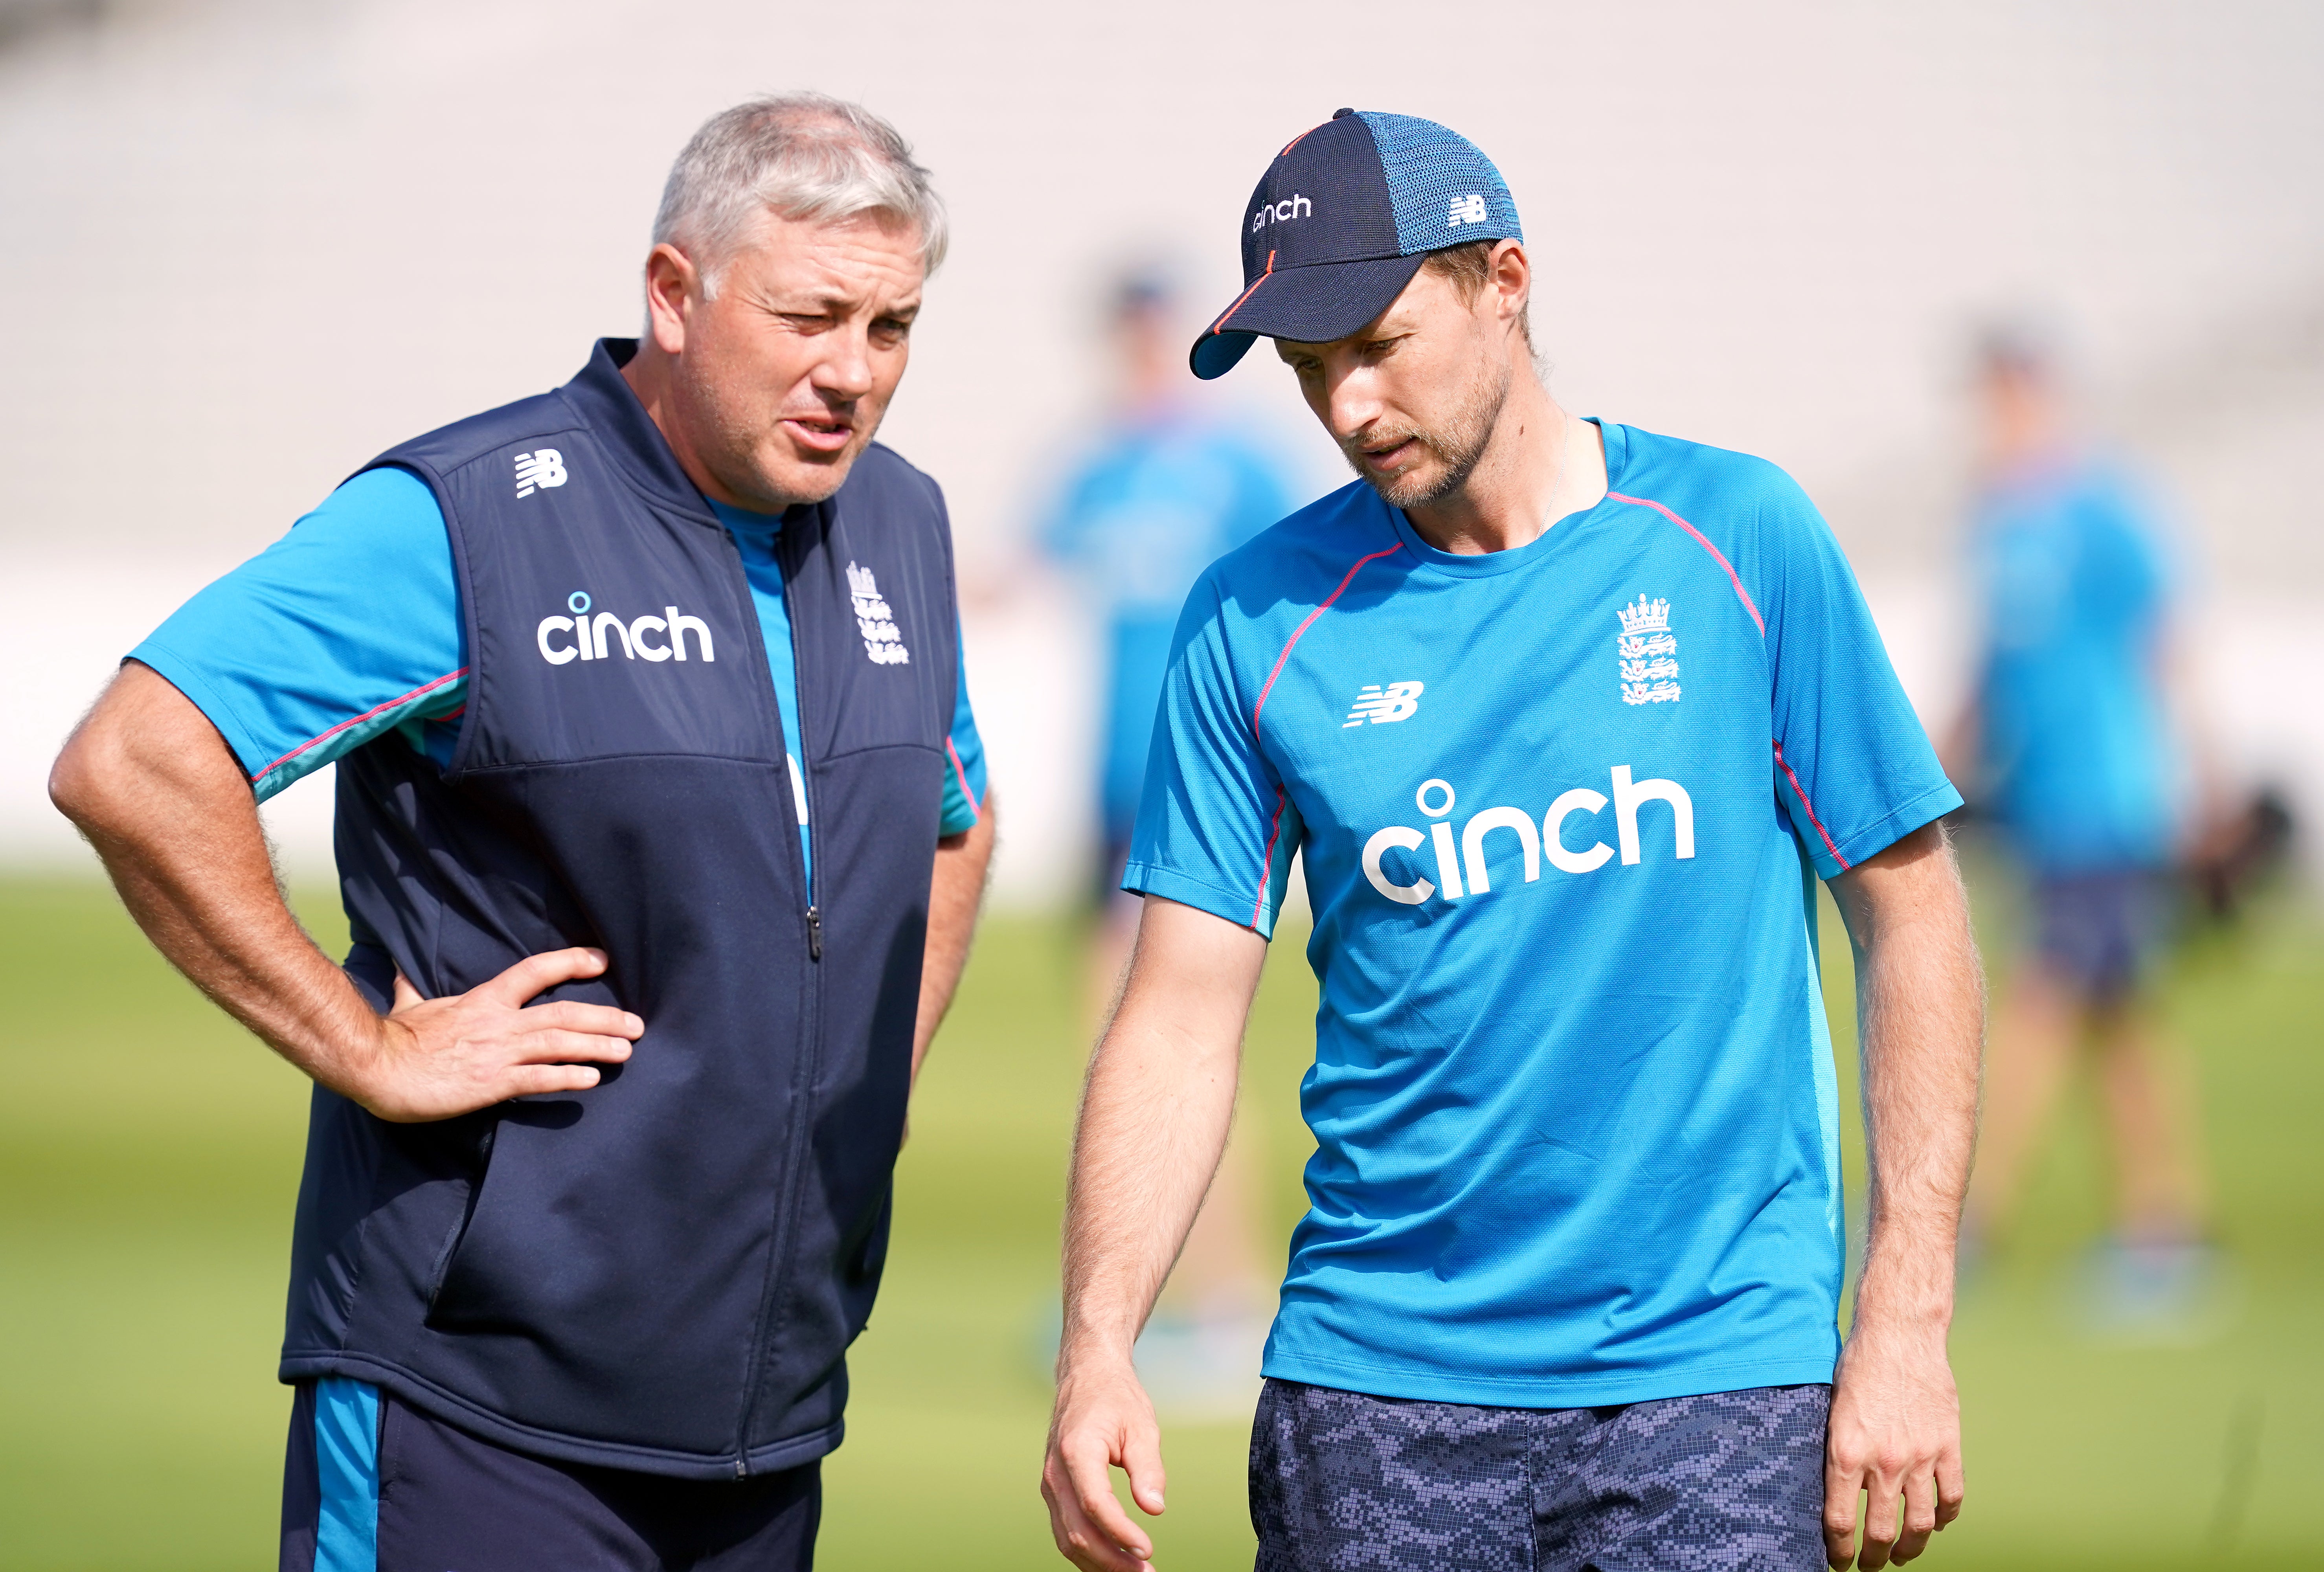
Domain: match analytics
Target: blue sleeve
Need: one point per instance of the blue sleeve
(1215, 828)
(964, 790)
(348, 627)
(1854, 769)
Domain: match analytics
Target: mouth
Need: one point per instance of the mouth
(819, 433)
(1388, 456)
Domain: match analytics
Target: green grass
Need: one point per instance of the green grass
(149, 1154)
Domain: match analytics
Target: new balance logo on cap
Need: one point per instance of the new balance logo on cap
(1468, 209)
(542, 467)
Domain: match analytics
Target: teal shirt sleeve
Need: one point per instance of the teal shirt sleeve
(346, 627)
(1216, 829)
(964, 788)
(1854, 769)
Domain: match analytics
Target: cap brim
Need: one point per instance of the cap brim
(1313, 305)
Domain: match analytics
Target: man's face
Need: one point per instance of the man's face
(781, 380)
(1411, 398)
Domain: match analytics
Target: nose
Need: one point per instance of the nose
(846, 372)
(1350, 401)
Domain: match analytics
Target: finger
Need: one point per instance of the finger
(1086, 1460)
(534, 1080)
(1919, 1514)
(1881, 1499)
(572, 1015)
(536, 974)
(406, 996)
(569, 1047)
(1141, 1459)
(1080, 1541)
(1842, 1490)
(1952, 1487)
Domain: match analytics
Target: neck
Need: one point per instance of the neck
(1540, 464)
(649, 376)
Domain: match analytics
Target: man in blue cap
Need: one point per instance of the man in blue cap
(1566, 719)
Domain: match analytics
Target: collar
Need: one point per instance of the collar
(609, 406)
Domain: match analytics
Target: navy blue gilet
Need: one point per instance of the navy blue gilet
(661, 1273)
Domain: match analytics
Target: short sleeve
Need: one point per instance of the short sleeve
(1854, 768)
(348, 627)
(965, 783)
(1215, 828)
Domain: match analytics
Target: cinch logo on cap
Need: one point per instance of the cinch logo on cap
(1372, 195)
(1294, 205)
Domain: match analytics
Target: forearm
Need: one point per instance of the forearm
(154, 788)
(1153, 1122)
(1920, 1009)
(955, 894)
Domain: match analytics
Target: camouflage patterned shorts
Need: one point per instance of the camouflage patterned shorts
(1731, 1481)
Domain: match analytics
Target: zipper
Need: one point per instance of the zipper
(789, 559)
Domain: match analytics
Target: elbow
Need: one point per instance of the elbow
(74, 780)
(86, 781)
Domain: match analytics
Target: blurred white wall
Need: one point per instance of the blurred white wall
(251, 244)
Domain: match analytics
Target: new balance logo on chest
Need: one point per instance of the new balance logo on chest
(1379, 705)
(876, 620)
(544, 466)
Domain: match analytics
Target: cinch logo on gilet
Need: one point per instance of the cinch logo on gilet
(1534, 843)
(638, 637)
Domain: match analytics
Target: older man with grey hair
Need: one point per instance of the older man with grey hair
(661, 827)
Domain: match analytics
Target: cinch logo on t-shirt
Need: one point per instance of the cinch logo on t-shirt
(638, 637)
(1534, 843)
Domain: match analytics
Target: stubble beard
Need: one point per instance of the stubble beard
(1457, 445)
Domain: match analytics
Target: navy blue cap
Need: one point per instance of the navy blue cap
(1339, 223)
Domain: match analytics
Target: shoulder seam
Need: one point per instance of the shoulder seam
(1703, 540)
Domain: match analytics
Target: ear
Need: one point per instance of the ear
(672, 291)
(1509, 279)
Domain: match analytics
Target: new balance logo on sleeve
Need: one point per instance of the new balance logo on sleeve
(543, 466)
(582, 636)
(1397, 702)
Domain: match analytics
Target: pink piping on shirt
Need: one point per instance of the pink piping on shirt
(1716, 555)
(1302, 629)
(1267, 865)
(421, 690)
(1801, 791)
(975, 808)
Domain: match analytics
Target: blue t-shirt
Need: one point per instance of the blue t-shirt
(349, 625)
(2075, 743)
(1153, 504)
(1577, 1137)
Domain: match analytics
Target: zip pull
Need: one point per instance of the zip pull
(814, 935)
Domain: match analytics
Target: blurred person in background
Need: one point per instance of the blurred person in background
(1566, 1292)
(2079, 742)
(659, 836)
(1167, 488)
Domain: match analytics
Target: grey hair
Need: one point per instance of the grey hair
(807, 156)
